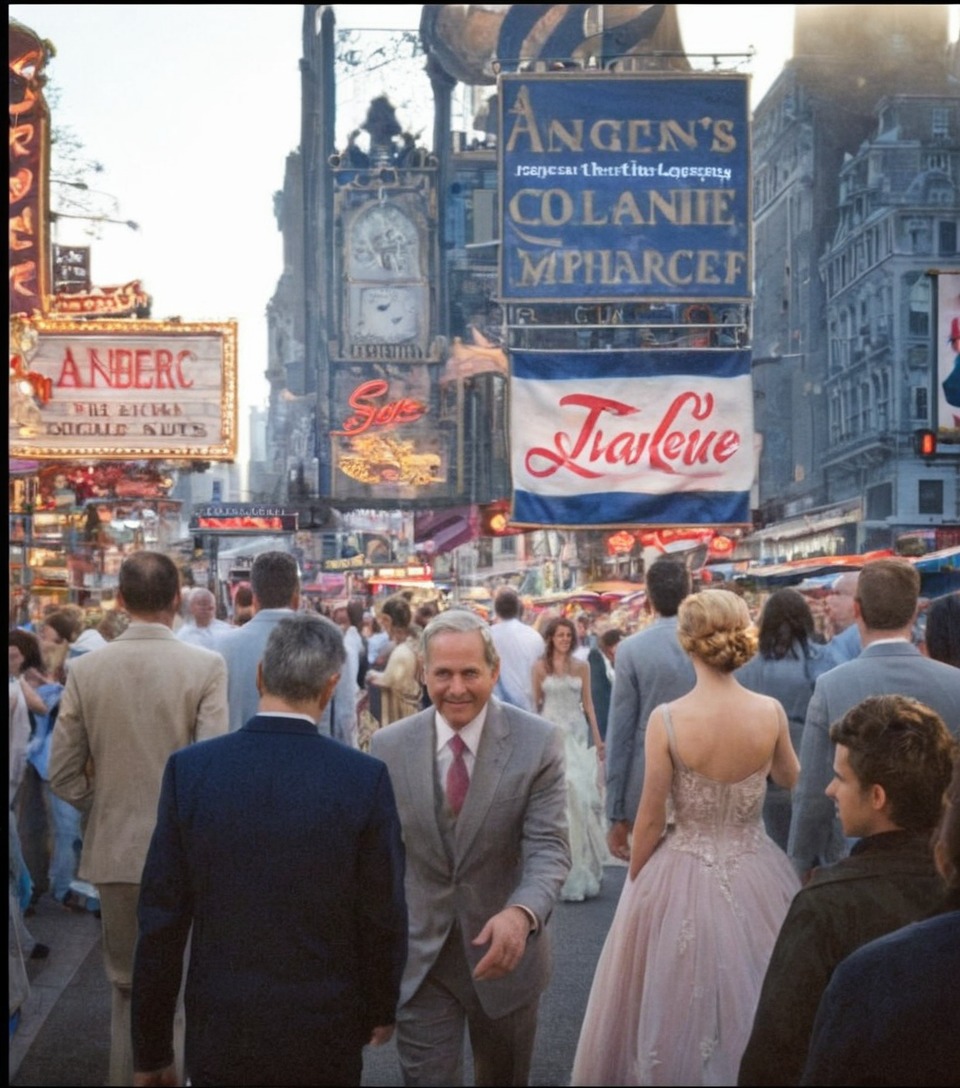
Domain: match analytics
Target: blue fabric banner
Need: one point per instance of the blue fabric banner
(624, 187)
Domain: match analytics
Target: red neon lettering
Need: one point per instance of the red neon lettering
(668, 444)
(367, 414)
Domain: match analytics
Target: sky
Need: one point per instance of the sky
(193, 109)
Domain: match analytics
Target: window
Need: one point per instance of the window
(879, 502)
(947, 231)
(939, 121)
(930, 496)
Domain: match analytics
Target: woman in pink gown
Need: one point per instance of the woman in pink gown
(677, 983)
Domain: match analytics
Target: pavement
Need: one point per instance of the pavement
(63, 1037)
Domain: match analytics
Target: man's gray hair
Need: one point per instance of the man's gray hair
(303, 652)
(460, 621)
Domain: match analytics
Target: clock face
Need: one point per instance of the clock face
(387, 315)
(383, 245)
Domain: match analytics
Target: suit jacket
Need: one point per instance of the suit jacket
(890, 1015)
(282, 848)
(600, 689)
(126, 707)
(887, 668)
(510, 845)
(242, 649)
(652, 668)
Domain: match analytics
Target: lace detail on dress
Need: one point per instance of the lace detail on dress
(718, 822)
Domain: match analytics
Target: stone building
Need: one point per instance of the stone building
(856, 160)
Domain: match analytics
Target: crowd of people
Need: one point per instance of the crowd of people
(307, 833)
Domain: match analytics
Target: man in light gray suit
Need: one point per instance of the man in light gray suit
(652, 668)
(275, 584)
(481, 792)
(889, 664)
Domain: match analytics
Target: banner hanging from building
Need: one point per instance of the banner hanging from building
(129, 390)
(947, 391)
(620, 187)
(636, 438)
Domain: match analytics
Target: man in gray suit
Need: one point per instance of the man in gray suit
(889, 664)
(275, 584)
(651, 669)
(481, 792)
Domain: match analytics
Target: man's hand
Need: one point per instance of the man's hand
(618, 839)
(381, 1035)
(507, 934)
(159, 1078)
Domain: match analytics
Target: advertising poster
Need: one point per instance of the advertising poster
(637, 438)
(947, 383)
(386, 443)
(123, 390)
(625, 187)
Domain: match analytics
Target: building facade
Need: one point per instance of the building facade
(855, 202)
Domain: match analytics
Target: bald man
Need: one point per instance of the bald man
(204, 628)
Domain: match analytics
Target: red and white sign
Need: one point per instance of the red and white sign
(130, 390)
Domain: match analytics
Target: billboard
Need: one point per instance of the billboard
(619, 187)
(29, 172)
(124, 390)
(658, 438)
(386, 441)
(947, 356)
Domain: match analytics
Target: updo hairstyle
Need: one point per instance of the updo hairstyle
(714, 626)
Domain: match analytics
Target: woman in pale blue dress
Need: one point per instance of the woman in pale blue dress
(561, 687)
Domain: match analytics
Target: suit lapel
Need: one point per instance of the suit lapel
(495, 748)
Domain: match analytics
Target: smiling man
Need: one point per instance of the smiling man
(892, 764)
(481, 792)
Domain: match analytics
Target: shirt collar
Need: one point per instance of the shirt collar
(469, 734)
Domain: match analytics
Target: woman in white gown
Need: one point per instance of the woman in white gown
(561, 688)
(677, 983)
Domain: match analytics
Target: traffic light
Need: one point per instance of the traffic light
(925, 442)
(495, 519)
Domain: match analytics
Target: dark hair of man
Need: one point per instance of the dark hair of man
(667, 583)
(786, 625)
(943, 629)
(302, 653)
(148, 583)
(902, 745)
(275, 579)
(459, 621)
(398, 612)
(355, 612)
(611, 637)
(550, 630)
(507, 603)
(887, 591)
(29, 645)
(63, 624)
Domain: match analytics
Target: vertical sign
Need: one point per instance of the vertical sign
(29, 168)
(947, 355)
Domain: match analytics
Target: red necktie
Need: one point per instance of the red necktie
(458, 778)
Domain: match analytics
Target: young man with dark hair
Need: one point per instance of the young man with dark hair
(893, 762)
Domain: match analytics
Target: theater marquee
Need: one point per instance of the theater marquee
(124, 390)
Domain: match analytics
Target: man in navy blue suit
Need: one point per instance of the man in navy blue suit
(282, 849)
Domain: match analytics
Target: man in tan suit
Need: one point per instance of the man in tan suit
(124, 710)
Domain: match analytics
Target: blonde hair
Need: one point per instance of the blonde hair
(714, 626)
